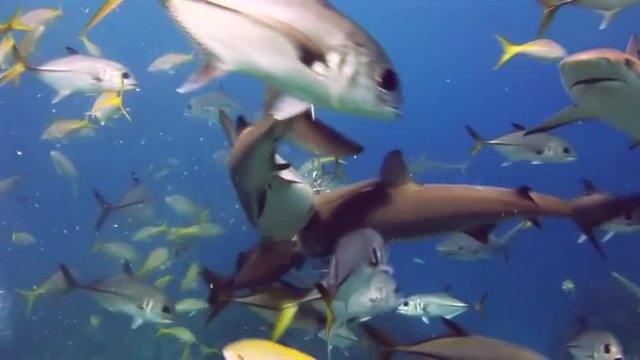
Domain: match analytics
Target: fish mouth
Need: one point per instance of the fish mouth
(594, 81)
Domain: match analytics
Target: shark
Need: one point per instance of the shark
(605, 86)
(401, 209)
(608, 8)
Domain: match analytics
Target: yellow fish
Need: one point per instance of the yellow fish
(65, 168)
(92, 48)
(569, 286)
(14, 24)
(148, 232)
(260, 349)
(162, 282)
(179, 332)
(94, 321)
(190, 281)
(30, 40)
(542, 49)
(180, 234)
(108, 7)
(191, 305)
(155, 260)
(207, 351)
(116, 249)
(115, 102)
(6, 46)
(55, 283)
(62, 128)
(22, 238)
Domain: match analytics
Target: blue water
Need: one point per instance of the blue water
(444, 52)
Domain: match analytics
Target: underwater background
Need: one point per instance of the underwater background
(444, 51)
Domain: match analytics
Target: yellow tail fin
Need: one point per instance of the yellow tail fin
(31, 296)
(285, 318)
(509, 50)
(116, 101)
(15, 24)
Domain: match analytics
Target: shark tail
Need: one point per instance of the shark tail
(479, 140)
(220, 294)
(509, 50)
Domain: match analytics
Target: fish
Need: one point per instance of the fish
(137, 195)
(398, 208)
(628, 285)
(10, 183)
(437, 305)
(156, 259)
(94, 322)
(30, 41)
(208, 106)
(608, 8)
(275, 200)
(53, 285)
(162, 283)
(208, 351)
(65, 168)
(169, 62)
(14, 24)
(203, 230)
(183, 207)
(260, 349)
(625, 224)
(62, 128)
(22, 238)
(116, 249)
(306, 49)
(6, 48)
(569, 286)
(75, 73)
(179, 332)
(462, 247)
(107, 7)
(109, 102)
(516, 147)
(459, 345)
(424, 164)
(541, 49)
(40, 17)
(595, 344)
(149, 232)
(190, 278)
(603, 84)
(104, 114)
(126, 294)
(91, 47)
(191, 305)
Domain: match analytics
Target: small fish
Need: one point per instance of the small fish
(110, 102)
(63, 128)
(191, 277)
(156, 259)
(162, 283)
(463, 247)
(54, 284)
(518, 147)
(208, 106)
(207, 351)
(419, 261)
(94, 322)
(10, 183)
(569, 286)
(22, 238)
(105, 114)
(128, 295)
(6, 47)
(149, 232)
(14, 24)
(65, 168)
(30, 41)
(138, 195)
(169, 62)
(436, 305)
(259, 349)
(179, 332)
(91, 48)
(116, 249)
(191, 305)
(541, 49)
(40, 17)
(183, 207)
(594, 344)
(75, 73)
(204, 230)
(424, 165)
(107, 7)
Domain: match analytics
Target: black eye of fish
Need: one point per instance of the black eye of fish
(607, 349)
(406, 303)
(566, 150)
(376, 257)
(126, 75)
(166, 309)
(388, 81)
(539, 152)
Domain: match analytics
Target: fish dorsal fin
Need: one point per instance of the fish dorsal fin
(394, 171)
(589, 187)
(227, 126)
(481, 233)
(126, 268)
(241, 124)
(632, 47)
(518, 127)
(454, 328)
(71, 51)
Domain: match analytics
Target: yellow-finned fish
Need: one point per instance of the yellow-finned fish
(180, 234)
(91, 48)
(14, 24)
(569, 286)
(162, 282)
(30, 41)
(55, 283)
(6, 45)
(190, 281)
(65, 168)
(542, 49)
(206, 350)
(155, 260)
(179, 332)
(149, 232)
(95, 321)
(115, 101)
(109, 6)
(116, 249)
(40, 17)
(62, 128)
(22, 238)
(191, 305)
(260, 349)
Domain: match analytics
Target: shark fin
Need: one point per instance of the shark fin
(394, 171)
(564, 117)
(136, 323)
(608, 236)
(632, 47)
(590, 187)
(425, 320)
(316, 136)
(227, 126)
(209, 71)
(481, 233)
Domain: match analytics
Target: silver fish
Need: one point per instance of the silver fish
(307, 49)
(9, 183)
(128, 295)
(40, 17)
(608, 8)
(137, 195)
(434, 305)
(516, 146)
(595, 345)
(208, 106)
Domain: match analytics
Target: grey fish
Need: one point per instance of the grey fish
(129, 295)
(138, 194)
(436, 305)
(594, 344)
(604, 85)
(208, 106)
(10, 183)
(536, 149)
(307, 49)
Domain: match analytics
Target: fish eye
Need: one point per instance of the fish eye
(405, 303)
(606, 348)
(388, 80)
(126, 75)
(166, 309)
(539, 152)
(566, 150)
(189, 107)
(376, 257)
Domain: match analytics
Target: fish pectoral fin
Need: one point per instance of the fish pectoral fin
(564, 117)
(608, 17)
(506, 163)
(61, 95)
(582, 238)
(136, 323)
(425, 320)
(316, 136)
(481, 233)
(608, 236)
(286, 107)
(210, 70)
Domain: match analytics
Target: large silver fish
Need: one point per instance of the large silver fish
(305, 48)
(129, 295)
(595, 345)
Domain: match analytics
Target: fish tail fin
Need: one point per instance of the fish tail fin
(589, 212)
(385, 344)
(220, 294)
(327, 297)
(479, 140)
(68, 278)
(465, 166)
(285, 318)
(106, 209)
(479, 306)
(509, 50)
(15, 24)
(13, 74)
(30, 296)
(550, 10)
